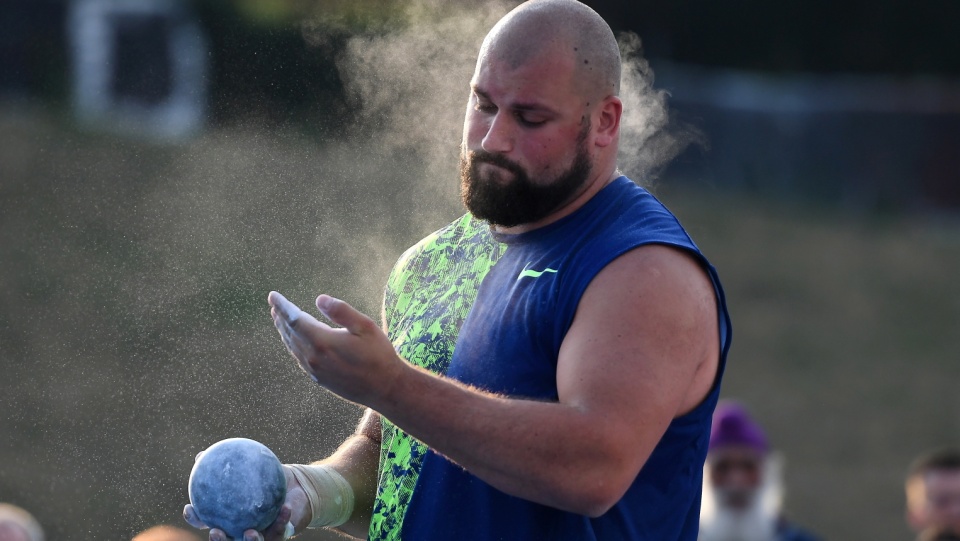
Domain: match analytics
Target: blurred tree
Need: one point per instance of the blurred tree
(861, 36)
(261, 67)
(33, 57)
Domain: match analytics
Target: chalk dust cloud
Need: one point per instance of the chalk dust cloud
(133, 320)
(411, 83)
(649, 138)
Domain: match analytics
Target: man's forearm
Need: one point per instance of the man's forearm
(357, 460)
(547, 452)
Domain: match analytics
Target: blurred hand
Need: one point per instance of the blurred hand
(357, 361)
(295, 510)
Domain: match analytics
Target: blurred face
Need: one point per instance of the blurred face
(12, 532)
(735, 475)
(940, 507)
(525, 150)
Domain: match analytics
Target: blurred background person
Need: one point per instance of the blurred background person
(933, 492)
(166, 533)
(742, 483)
(17, 524)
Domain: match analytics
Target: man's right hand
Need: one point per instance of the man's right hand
(295, 510)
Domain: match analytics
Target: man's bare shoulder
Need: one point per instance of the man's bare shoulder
(651, 315)
(657, 271)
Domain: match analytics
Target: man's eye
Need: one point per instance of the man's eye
(530, 121)
(485, 108)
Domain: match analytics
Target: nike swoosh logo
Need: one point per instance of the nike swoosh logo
(535, 274)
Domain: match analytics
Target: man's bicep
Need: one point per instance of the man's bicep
(642, 337)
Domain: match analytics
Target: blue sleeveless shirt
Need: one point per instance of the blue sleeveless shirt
(509, 344)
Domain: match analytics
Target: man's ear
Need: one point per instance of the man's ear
(608, 121)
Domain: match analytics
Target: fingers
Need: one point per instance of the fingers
(296, 344)
(308, 339)
(193, 519)
(283, 519)
(280, 529)
(287, 310)
(287, 318)
(287, 335)
(190, 515)
(334, 309)
(344, 315)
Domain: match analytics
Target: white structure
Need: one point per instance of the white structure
(139, 67)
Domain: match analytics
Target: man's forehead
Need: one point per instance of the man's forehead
(515, 47)
(544, 74)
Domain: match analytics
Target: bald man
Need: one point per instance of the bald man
(547, 364)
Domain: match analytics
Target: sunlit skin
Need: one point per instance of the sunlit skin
(735, 474)
(643, 347)
(163, 533)
(936, 502)
(511, 112)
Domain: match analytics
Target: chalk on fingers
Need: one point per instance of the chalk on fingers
(285, 308)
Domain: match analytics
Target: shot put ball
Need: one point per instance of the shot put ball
(237, 484)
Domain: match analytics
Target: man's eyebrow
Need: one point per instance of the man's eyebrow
(476, 90)
(520, 106)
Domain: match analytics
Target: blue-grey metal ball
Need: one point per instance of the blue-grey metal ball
(237, 484)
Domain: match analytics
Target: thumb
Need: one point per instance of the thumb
(343, 314)
(192, 518)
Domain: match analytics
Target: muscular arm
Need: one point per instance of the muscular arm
(357, 460)
(643, 349)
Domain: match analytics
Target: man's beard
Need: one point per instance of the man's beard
(756, 522)
(520, 200)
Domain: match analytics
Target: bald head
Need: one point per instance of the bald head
(540, 28)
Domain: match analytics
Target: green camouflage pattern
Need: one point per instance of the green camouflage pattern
(428, 296)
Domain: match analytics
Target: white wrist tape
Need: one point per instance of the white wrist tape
(329, 494)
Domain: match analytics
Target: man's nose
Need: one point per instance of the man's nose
(738, 478)
(499, 136)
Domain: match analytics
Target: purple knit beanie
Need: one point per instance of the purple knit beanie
(732, 425)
